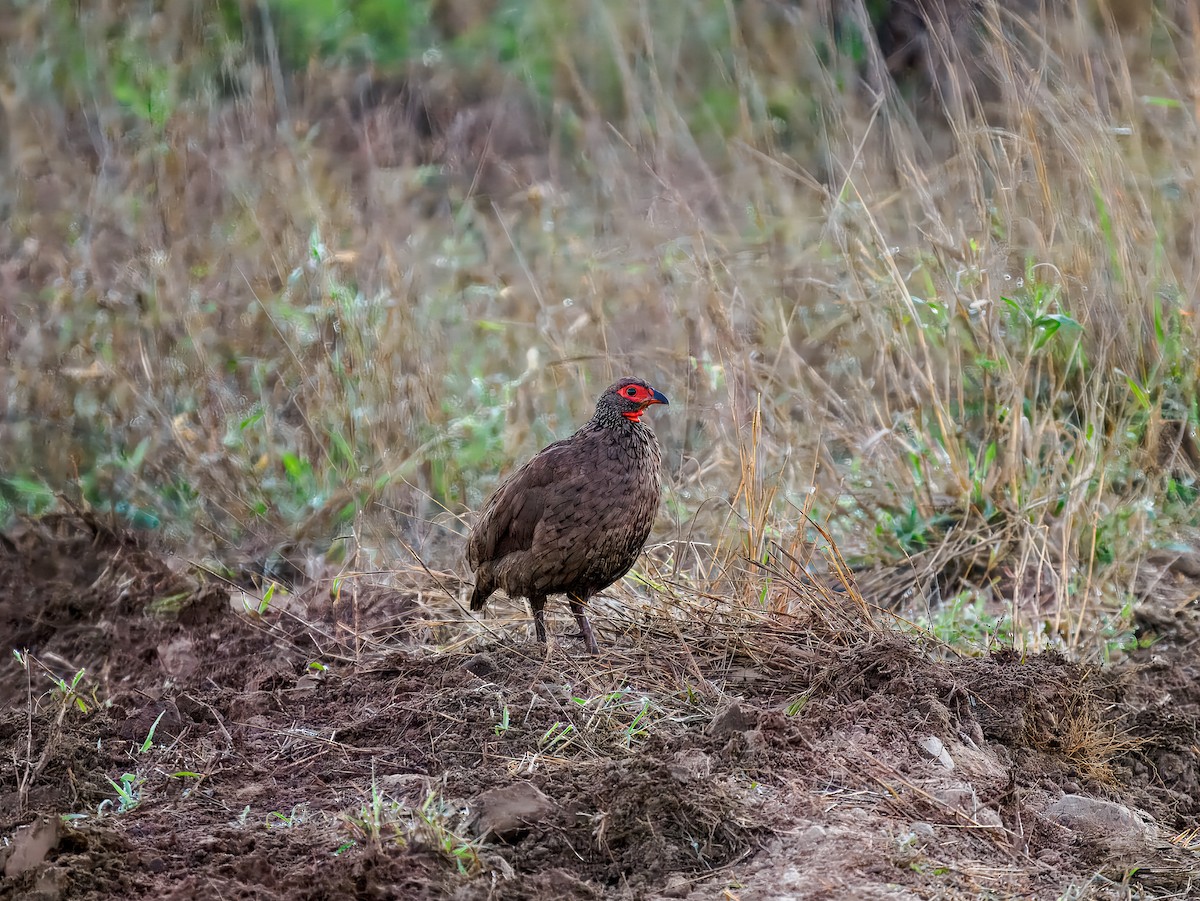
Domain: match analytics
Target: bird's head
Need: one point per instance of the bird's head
(630, 398)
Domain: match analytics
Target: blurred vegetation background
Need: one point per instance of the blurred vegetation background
(277, 273)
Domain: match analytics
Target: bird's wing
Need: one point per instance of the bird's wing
(511, 515)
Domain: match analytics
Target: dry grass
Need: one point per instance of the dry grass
(960, 342)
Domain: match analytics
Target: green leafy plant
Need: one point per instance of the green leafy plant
(129, 787)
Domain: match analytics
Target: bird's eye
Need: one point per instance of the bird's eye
(631, 391)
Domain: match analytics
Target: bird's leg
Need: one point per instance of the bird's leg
(585, 628)
(537, 604)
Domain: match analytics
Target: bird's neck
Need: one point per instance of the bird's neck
(618, 421)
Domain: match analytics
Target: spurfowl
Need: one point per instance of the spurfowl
(574, 518)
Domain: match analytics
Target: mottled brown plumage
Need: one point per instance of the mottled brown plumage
(574, 518)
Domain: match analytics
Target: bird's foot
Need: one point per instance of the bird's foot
(589, 639)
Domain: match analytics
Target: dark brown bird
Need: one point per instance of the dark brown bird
(574, 518)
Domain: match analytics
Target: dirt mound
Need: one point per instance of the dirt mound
(327, 747)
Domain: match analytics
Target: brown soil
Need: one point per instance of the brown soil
(417, 761)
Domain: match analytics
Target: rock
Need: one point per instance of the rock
(936, 751)
(306, 685)
(1049, 857)
(409, 788)
(1171, 767)
(53, 884)
(810, 838)
(978, 766)
(1107, 822)
(756, 742)
(678, 886)
(732, 719)
(178, 658)
(962, 799)
(31, 845)
(923, 831)
(989, 818)
(510, 812)
(481, 665)
(163, 719)
(690, 765)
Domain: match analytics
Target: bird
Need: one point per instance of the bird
(573, 519)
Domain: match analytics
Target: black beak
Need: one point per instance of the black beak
(657, 397)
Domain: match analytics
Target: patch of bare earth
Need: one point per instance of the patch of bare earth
(742, 762)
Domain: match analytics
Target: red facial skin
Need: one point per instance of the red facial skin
(643, 397)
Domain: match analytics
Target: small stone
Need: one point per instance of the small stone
(756, 742)
(978, 766)
(1049, 857)
(960, 798)
(52, 884)
(732, 719)
(409, 788)
(178, 658)
(1171, 767)
(936, 751)
(690, 765)
(811, 837)
(306, 684)
(510, 812)
(923, 831)
(1112, 824)
(31, 845)
(989, 818)
(481, 665)
(678, 886)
